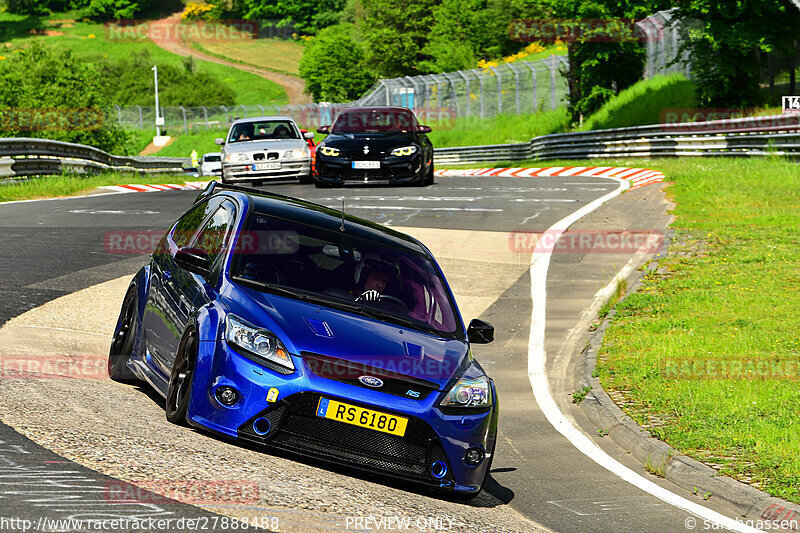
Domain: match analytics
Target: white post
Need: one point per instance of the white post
(158, 127)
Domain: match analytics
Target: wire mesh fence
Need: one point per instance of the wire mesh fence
(509, 88)
(664, 34)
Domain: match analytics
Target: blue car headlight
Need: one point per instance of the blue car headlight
(469, 392)
(256, 343)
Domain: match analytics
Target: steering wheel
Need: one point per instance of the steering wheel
(389, 298)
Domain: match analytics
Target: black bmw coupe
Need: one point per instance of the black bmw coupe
(375, 145)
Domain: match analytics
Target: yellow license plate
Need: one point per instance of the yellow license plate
(365, 418)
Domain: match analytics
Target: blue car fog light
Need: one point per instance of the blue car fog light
(227, 396)
(473, 457)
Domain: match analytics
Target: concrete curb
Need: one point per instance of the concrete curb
(752, 504)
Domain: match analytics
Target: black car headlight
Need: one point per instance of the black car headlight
(327, 150)
(404, 151)
(255, 341)
(469, 392)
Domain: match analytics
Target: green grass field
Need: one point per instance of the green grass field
(91, 40)
(74, 184)
(706, 352)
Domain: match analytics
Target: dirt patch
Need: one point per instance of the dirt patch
(46, 33)
(151, 149)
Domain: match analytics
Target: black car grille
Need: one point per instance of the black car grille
(260, 156)
(295, 427)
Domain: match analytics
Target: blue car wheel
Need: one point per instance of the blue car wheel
(124, 340)
(179, 390)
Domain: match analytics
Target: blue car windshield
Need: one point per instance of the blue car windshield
(358, 275)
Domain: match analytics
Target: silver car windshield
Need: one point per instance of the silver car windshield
(263, 130)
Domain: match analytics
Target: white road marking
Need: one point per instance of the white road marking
(113, 212)
(541, 389)
(405, 208)
(61, 198)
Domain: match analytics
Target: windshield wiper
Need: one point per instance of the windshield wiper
(281, 290)
(390, 317)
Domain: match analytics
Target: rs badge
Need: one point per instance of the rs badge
(272, 395)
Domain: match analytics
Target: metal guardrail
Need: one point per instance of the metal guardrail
(21, 156)
(777, 135)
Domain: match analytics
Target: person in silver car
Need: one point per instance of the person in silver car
(265, 148)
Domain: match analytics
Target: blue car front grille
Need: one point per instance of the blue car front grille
(297, 428)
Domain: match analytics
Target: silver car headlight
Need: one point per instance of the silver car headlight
(255, 341)
(235, 157)
(404, 151)
(469, 392)
(296, 154)
(327, 150)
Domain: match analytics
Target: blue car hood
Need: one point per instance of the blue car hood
(309, 328)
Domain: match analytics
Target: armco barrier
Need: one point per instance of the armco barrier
(20, 157)
(745, 137)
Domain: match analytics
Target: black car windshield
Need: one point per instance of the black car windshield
(259, 130)
(338, 270)
(374, 121)
(213, 158)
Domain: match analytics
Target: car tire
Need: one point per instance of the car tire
(322, 185)
(306, 179)
(179, 390)
(429, 178)
(124, 339)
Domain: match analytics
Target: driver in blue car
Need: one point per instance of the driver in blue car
(372, 277)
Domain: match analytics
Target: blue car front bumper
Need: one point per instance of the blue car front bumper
(431, 437)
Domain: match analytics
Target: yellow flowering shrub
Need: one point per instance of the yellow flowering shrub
(196, 10)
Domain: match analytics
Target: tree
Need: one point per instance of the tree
(304, 16)
(725, 41)
(53, 95)
(395, 33)
(334, 65)
(604, 55)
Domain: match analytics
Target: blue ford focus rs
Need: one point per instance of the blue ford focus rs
(290, 325)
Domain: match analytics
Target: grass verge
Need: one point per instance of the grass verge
(708, 346)
(75, 184)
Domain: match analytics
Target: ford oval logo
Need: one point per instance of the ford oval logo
(371, 381)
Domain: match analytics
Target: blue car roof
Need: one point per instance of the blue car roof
(312, 214)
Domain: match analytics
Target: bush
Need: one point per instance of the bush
(116, 9)
(334, 65)
(130, 82)
(642, 103)
(53, 95)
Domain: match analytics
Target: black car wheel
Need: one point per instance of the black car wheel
(305, 179)
(429, 177)
(179, 390)
(124, 340)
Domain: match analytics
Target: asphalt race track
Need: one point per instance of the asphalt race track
(477, 227)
